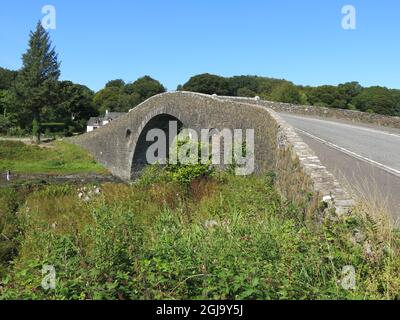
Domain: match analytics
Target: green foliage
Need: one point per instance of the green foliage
(54, 158)
(11, 199)
(377, 99)
(5, 102)
(286, 92)
(246, 86)
(155, 241)
(74, 106)
(246, 92)
(36, 129)
(7, 78)
(108, 99)
(145, 88)
(8, 119)
(118, 83)
(208, 84)
(184, 174)
(323, 95)
(118, 97)
(36, 81)
(349, 91)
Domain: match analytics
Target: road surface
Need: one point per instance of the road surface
(363, 156)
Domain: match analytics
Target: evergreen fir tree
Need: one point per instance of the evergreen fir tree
(37, 79)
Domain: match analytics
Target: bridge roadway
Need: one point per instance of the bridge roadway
(365, 157)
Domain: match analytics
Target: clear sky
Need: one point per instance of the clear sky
(171, 40)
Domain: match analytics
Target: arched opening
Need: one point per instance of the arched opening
(161, 122)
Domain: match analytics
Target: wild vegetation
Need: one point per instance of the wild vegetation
(217, 237)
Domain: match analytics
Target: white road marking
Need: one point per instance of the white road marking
(353, 154)
(346, 125)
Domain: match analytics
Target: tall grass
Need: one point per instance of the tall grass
(221, 237)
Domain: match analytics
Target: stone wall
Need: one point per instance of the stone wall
(349, 115)
(300, 176)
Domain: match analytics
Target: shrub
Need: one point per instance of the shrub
(184, 173)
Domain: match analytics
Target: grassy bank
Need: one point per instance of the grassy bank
(221, 237)
(50, 158)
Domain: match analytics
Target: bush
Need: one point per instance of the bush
(184, 173)
(16, 132)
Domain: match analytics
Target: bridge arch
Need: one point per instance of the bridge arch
(141, 145)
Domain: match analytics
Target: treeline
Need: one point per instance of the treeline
(350, 95)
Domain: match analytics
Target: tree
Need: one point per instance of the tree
(324, 96)
(118, 83)
(348, 91)
(7, 78)
(245, 92)
(109, 99)
(286, 92)
(37, 79)
(7, 117)
(208, 84)
(245, 86)
(145, 87)
(118, 97)
(74, 105)
(4, 102)
(378, 100)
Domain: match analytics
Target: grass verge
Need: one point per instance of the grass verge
(55, 158)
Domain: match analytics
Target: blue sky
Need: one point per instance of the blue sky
(171, 40)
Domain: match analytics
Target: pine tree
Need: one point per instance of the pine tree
(37, 79)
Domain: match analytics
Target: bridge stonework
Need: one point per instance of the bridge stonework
(300, 176)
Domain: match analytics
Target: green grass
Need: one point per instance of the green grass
(52, 158)
(153, 240)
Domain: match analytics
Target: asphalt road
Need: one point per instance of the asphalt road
(365, 157)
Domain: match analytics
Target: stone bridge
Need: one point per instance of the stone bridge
(300, 177)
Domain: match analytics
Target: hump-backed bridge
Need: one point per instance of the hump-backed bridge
(300, 177)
